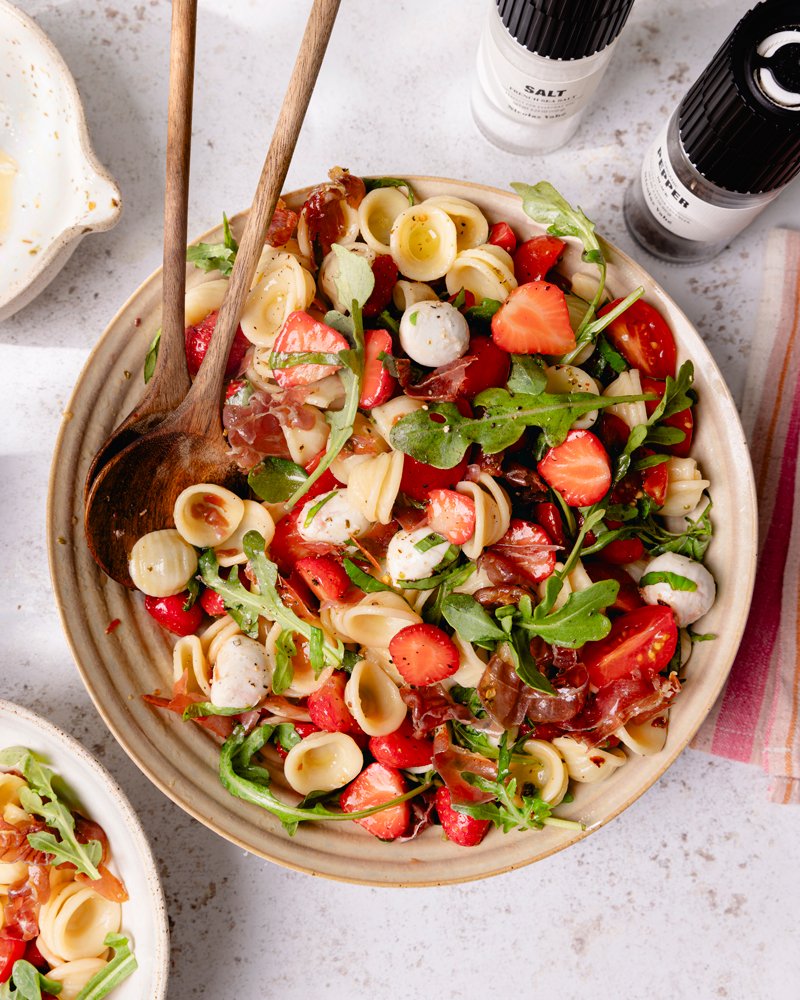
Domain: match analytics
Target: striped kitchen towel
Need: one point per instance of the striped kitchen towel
(756, 718)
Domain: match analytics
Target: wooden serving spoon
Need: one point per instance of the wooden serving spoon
(170, 381)
(135, 492)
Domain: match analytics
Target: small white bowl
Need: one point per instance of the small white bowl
(144, 916)
(59, 191)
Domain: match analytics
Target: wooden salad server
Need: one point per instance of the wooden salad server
(170, 381)
(135, 492)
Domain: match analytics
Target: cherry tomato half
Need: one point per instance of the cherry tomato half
(11, 950)
(642, 337)
(644, 640)
(683, 420)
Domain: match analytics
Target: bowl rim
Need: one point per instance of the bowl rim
(746, 585)
(123, 806)
(61, 241)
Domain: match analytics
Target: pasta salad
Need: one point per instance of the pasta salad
(464, 568)
(60, 905)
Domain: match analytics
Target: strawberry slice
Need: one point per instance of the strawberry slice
(212, 603)
(198, 337)
(302, 332)
(534, 319)
(402, 748)
(325, 576)
(424, 654)
(535, 257)
(327, 707)
(377, 784)
(384, 271)
(378, 385)
(466, 831)
(502, 235)
(451, 514)
(579, 469)
(170, 614)
(528, 548)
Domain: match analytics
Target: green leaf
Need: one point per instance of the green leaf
(701, 636)
(542, 203)
(29, 982)
(481, 313)
(316, 650)
(371, 183)
(429, 542)
(578, 621)
(286, 736)
(285, 651)
(650, 462)
(386, 321)
(152, 356)
(635, 440)
(122, 965)
(274, 479)
(673, 580)
(193, 588)
(202, 709)
(339, 322)
(612, 357)
(363, 580)
(661, 436)
(317, 507)
(676, 396)
(527, 375)
(291, 359)
(470, 620)
(215, 256)
(525, 665)
(355, 280)
(468, 696)
(40, 798)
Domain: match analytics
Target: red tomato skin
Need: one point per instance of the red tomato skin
(419, 479)
(378, 385)
(549, 517)
(683, 420)
(628, 597)
(535, 257)
(623, 550)
(170, 614)
(469, 300)
(11, 950)
(489, 370)
(642, 337)
(502, 235)
(644, 639)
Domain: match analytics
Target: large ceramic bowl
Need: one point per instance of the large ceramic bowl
(144, 916)
(56, 189)
(135, 658)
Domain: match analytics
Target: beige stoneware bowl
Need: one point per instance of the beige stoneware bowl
(144, 916)
(136, 657)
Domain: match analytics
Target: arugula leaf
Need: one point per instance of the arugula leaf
(386, 321)
(432, 612)
(525, 665)
(252, 784)
(286, 736)
(193, 587)
(202, 709)
(481, 313)
(152, 356)
(28, 983)
(612, 357)
(701, 636)
(355, 280)
(448, 569)
(249, 606)
(650, 462)
(662, 435)
(471, 621)
(527, 375)
(122, 964)
(285, 651)
(635, 440)
(468, 696)
(371, 183)
(674, 580)
(578, 621)
(473, 740)
(215, 256)
(40, 798)
(439, 435)
(363, 580)
(274, 479)
(676, 394)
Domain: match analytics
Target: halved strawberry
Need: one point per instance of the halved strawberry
(377, 784)
(377, 385)
(302, 729)
(198, 337)
(579, 469)
(536, 256)
(489, 368)
(170, 614)
(288, 545)
(502, 235)
(303, 333)
(466, 831)
(325, 576)
(212, 603)
(451, 514)
(327, 706)
(402, 748)
(528, 548)
(424, 654)
(534, 319)
(385, 272)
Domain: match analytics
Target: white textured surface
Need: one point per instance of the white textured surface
(690, 893)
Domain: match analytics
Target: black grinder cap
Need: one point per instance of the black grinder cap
(740, 121)
(564, 29)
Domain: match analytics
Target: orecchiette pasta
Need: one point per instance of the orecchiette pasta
(585, 764)
(685, 487)
(10, 785)
(256, 517)
(203, 299)
(304, 443)
(627, 384)
(75, 920)
(322, 762)
(546, 771)
(423, 243)
(408, 293)
(472, 229)
(486, 271)
(206, 514)
(216, 635)
(372, 622)
(329, 274)
(376, 215)
(348, 232)
(304, 680)
(162, 562)
(492, 513)
(188, 658)
(284, 287)
(471, 664)
(373, 485)
(373, 699)
(570, 378)
(645, 738)
(73, 976)
(386, 415)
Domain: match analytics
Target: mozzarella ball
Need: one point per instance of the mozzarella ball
(335, 521)
(241, 678)
(405, 561)
(687, 605)
(433, 333)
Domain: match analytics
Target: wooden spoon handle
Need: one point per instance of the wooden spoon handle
(171, 372)
(204, 397)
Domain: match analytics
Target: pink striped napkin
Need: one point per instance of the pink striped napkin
(756, 719)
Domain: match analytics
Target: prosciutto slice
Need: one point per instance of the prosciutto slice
(443, 385)
(322, 211)
(14, 844)
(256, 429)
(431, 707)
(453, 762)
(24, 901)
(636, 696)
(220, 725)
(282, 224)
